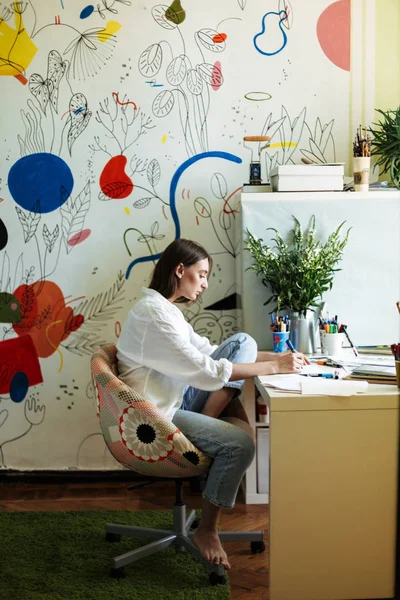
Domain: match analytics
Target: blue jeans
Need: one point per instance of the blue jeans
(231, 448)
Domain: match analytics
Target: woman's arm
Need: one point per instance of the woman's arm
(291, 362)
(266, 356)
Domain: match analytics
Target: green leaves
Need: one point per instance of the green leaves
(299, 272)
(386, 141)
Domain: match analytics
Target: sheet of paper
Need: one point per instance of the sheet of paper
(350, 360)
(318, 386)
(288, 383)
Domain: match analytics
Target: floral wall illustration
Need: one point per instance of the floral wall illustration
(122, 129)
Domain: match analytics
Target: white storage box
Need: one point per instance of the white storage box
(307, 178)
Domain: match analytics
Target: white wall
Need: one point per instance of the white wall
(65, 105)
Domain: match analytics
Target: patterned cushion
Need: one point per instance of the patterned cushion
(136, 432)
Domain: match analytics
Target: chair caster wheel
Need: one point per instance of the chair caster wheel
(257, 547)
(117, 573)
(195, 523)
(113, 537)
(216, 579)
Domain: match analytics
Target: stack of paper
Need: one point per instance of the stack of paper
(374, 368)
(315, 386)
(374, 373)
(366, 359)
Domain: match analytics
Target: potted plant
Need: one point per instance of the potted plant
(297, 274)
(386, 143)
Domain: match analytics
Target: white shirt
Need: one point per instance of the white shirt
(159, 354)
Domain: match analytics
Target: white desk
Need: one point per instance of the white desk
(333, 494)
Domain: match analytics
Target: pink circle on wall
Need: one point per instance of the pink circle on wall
(333, 32)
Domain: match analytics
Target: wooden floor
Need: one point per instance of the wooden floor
(248, 576)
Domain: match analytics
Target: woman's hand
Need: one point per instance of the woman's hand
(303, 358)
(285, 362)
(291, 362)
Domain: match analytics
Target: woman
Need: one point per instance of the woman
(194, 382)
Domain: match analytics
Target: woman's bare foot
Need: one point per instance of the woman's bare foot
(207, 541)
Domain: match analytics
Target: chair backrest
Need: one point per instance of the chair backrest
(136, 432)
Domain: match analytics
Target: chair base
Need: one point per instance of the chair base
(179, 536)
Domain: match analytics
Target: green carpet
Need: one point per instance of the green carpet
(64, 556)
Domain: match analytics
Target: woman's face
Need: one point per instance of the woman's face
(192, 280)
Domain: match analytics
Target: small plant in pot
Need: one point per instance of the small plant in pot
(297, 273)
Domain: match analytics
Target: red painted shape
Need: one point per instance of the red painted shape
(114, 182)
(230, 212)
(18, 354)
(219, 38)
(216, 77)
(79, 237)
(21, 78)
(115, 94)
(333, 32)
(44, 316)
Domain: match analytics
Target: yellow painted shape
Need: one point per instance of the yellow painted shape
(109, 30)
(283, 145)
(387, 54)
(164, 138)
(16, 47)
(387, 58)
(126, 209)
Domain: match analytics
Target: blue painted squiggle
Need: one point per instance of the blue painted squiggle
(282, 17)
(172, 191)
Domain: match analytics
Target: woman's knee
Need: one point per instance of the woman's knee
(244, 446)
(248, 346)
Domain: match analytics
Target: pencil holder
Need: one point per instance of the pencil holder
(280, 338)
(397, 363)
(361, 168)
(331, 343)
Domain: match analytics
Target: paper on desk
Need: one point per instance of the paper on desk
(349, 360)
(332, 387)
(287, 383)
(314, 385)
(292, 383)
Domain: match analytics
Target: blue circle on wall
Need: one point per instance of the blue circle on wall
(19, 386)
(87, 11)
(40, 182)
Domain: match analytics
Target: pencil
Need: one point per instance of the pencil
(344, 327)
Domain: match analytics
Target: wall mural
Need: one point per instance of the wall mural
(122, 129)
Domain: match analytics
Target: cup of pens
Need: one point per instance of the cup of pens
(331, 343)
(332, 335)
(361, 160)
(396, 353)
(280, 327)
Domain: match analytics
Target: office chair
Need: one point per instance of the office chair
(140, 438)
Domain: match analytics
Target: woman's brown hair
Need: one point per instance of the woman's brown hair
(164, 279)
